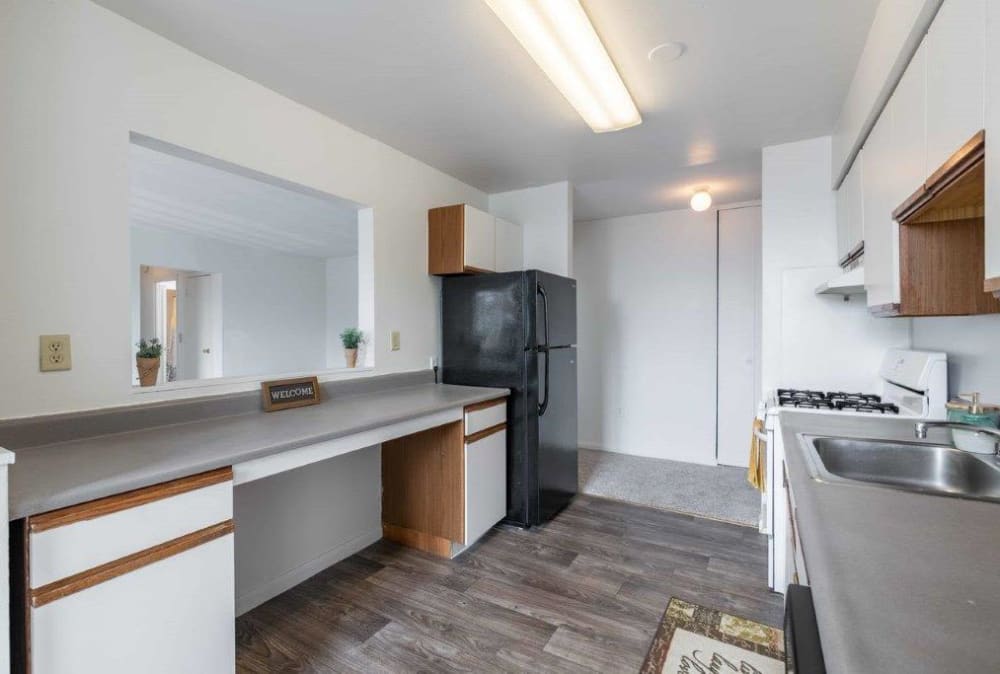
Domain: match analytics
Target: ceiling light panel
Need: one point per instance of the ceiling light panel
(562, 40)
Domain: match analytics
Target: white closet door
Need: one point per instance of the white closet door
(739, 300)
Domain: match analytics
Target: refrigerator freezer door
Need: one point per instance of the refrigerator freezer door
(482, 330)
(560, 294)
(557, 441)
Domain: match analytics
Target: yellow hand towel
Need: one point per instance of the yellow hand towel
(758, 460)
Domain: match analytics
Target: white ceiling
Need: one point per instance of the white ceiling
(179, 194)
(446, 82)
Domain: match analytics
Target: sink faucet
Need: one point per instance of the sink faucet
(920, 430)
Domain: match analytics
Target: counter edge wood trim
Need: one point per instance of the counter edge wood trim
(485, 433)
(486, 404)
(992, 285)
(105, 572)
(124, 501)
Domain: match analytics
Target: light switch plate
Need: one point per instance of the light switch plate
(394, 340)
(54, 353)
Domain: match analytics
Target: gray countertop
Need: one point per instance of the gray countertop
(56, 475)
(902, 582)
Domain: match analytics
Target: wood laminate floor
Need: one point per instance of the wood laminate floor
(584, 592)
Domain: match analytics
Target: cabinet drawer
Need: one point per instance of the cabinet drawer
(485, 415)
(75, 539)
(485, 484)
(173, 615)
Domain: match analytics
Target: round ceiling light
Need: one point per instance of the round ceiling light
(666, 52)
(701, 200)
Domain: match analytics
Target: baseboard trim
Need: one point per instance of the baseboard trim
(290, 579)
(609, 450)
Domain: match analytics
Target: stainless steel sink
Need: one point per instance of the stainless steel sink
(909, 466)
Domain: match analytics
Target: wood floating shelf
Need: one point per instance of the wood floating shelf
(942, 241)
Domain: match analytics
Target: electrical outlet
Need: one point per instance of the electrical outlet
(394, 340)
(54, 353)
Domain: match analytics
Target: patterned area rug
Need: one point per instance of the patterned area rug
(693, 639)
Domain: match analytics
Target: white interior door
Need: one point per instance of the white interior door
(200, 346)
(739, 330)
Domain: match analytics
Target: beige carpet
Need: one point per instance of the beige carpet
(719, 492)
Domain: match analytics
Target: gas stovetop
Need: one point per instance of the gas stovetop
(834, 401)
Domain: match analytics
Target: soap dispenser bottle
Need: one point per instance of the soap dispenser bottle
(967, 409)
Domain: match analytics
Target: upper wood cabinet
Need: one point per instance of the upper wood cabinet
(461, 239)
(510, 253)
(992, 234)
(956, 63)
(941, 240)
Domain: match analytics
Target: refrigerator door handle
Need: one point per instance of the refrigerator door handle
(543, 348)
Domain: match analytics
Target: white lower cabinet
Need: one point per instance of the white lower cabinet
(137, 582)
(485, 483)
(175, 615)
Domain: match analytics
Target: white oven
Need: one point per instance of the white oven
(914, 384)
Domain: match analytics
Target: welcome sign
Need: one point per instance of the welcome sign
(288, 393)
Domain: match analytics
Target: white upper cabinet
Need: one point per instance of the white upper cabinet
(956, 64)
(909, 130)
(881, 231)
(842, 215)
(993, 145)
(509, 246)
(850, 210)
(855, 203)
(480, 240)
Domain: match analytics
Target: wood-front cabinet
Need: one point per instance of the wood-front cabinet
(137, 582)
(443, 488)
(461, 239)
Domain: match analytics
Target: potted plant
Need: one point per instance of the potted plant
(147, 361)
(351, 339)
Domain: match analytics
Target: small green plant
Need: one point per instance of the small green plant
(352, 337)
(150, 349)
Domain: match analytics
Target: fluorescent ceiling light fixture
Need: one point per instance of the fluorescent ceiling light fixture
(701, 200)
(561, 39)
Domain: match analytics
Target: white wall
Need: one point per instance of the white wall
(546, 217)
(292, 525)
(799, 229)
(811, 341)
(646, 330)
(76, 80)
(341, 304)
(264, 294)
(972, 344)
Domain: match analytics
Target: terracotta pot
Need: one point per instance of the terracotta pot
(149, 370)
(351, 356)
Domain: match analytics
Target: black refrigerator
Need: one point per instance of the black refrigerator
(518, 330)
